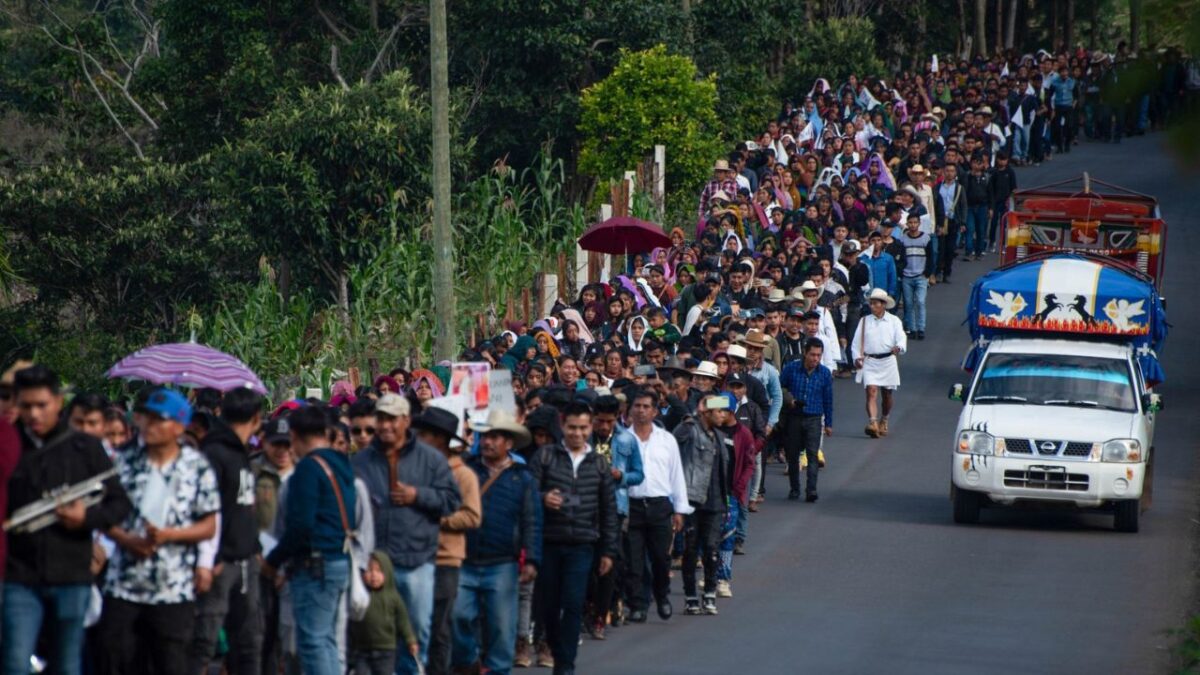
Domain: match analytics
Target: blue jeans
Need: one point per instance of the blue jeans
(914, 289)
(1020, 141)
(63, 607)
(996, 229)
(562, 584)
(977, 227)
(416, 587)
(487, 596)
(315, 605)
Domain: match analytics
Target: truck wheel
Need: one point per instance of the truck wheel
(966, 506)
(1125, 515)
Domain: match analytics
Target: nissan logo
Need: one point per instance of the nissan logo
(1047, 446)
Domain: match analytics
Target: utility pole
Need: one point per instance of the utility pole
(445, 342)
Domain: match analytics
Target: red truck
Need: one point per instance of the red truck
(1071, 216)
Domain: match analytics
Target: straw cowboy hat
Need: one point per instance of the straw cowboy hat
(754, 338)
(706, 369)
(916, 169)
(882, 296)
(721, 165)
(502, 422)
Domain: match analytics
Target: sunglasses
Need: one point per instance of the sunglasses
(362, 430)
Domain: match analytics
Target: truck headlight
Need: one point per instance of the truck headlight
(972, 442)
(1121, 450)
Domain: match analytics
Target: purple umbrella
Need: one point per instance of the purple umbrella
(187, 364)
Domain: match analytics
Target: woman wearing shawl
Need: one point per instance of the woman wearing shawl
(678, 246)
(517, 356)
(638, 326)
(426, 386)
(685, 275)
(661, 256)
(386, 384)
(546, 343)
(595, 315)
(616, 318)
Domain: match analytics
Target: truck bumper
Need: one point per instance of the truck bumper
(1006, 480)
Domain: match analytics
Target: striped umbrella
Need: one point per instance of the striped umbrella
(187, 364)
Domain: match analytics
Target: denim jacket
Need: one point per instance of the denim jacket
(628, 460)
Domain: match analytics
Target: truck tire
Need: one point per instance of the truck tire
(966, 506)
(1126, 513)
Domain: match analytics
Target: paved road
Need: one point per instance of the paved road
(875, 578)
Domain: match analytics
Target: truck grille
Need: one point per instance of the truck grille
(1046, 478)
(1047, 448)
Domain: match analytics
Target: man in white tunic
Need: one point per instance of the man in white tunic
(877, 342)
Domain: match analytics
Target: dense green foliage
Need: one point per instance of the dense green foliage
(651, 98)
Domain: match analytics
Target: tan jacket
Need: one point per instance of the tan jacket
(452, 540)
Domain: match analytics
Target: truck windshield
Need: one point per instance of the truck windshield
(1056, 379)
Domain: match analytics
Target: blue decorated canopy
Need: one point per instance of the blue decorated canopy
(1069, 294)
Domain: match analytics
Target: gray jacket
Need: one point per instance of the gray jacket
(409, 533)
(698, 449)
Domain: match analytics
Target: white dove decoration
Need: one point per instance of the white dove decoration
(1121, 311)
(1010, 305)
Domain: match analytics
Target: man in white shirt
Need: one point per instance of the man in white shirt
(656, 508)
(878, 341)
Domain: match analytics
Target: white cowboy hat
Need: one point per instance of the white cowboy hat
(882, 296)
(721, 165)
(776, 295)
(500, 421)
(736, 352)
(706, 369)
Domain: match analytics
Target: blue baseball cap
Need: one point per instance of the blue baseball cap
(169, 405)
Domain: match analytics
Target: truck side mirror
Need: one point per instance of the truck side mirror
(956, 392)
(1152, 402)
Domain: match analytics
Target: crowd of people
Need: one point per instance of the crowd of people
(372, 533)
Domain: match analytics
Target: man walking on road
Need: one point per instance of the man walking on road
(810, 386)
(706, 469)
(656, 508)
(877, 342)
(579, 494)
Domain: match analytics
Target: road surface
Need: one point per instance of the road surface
(876, 578)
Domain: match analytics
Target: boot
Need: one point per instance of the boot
(545, 658)
(883, 427)
(523, 658)
(872, 429)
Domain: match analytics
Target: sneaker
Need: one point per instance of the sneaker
(545, 658)
(739, 548)
(597, 629)
(724, 590)
(710, 604)
(523, 658)
(691, 606)
(810, 497)
(794, 495)
(920, 335)
(804, 461)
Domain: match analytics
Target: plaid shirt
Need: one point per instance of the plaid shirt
(812, 391)
(729, 186)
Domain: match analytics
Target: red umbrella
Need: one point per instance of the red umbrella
(622, 234)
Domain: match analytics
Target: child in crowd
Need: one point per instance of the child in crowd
(373, 640)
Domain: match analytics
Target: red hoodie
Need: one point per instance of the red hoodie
(10, 452)
(744, 451)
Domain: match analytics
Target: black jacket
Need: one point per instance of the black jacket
(589, 512)
(1004, 182)
(978, 189)
(56, 555)
(235, 480)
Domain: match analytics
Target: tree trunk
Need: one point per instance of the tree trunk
(981, 27)
(1052, 6)
(1010, 34)
(343, 295)
(445, 344)
(1135, 25)
(689, 40)
(961, 44)
(998, 34)
(1094, 37)
(1069, 41)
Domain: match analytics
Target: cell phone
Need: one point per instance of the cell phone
(571, 499)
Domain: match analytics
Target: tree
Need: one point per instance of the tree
(833, 49)
(330, 174)
(981, 28)
(650, 98)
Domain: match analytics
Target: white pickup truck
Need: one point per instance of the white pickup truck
(1055, 421)
(1059, 409)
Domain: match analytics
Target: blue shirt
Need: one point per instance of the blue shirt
(813, 391)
